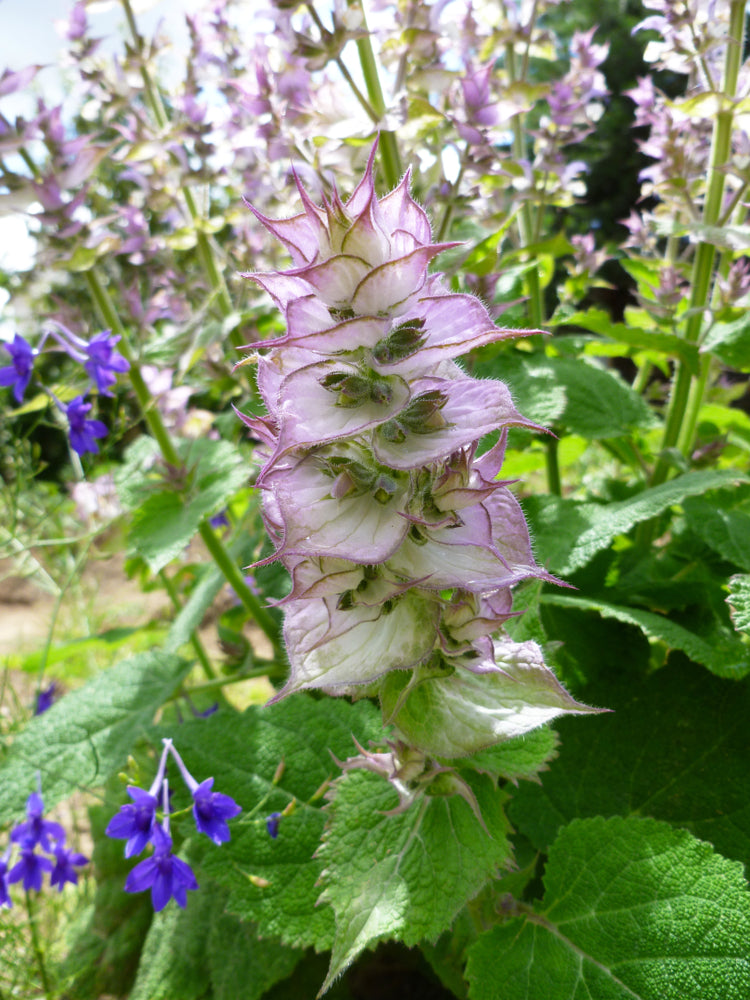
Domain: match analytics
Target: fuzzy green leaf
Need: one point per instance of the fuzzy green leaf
(165, 521)
(725, 659)
(522, 757)
(723, 522)
(730, 342)
(87, 735)
(404, 876)
(570, 533)
(675, 748)
(633, 910)
(199, 949)
(582, 397)
(739, 601)
(274, 882)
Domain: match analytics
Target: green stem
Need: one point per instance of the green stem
(169, 452)
(237, 581)
(554, 484)
(38, 954)
(686, 392)
(195, 641)
(389, 153)
(343, 69)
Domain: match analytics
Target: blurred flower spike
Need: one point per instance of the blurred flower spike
(168, 876)
(41, 850)
(402, 545)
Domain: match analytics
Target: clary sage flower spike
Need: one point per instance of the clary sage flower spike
(402, 544)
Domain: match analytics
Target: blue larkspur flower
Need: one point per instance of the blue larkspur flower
(37, 830)
(135, 822)
(83, 432)
(212, 810)
(46, 697)
(272, 824)
(18, 374)
(165, 875)
(66, 861)
(104, 362)
(30, 868)
(5, 899)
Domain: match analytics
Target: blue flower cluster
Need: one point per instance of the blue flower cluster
(164, 874)
(101, 362)
(41, 848)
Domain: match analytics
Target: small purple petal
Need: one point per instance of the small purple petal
(211, 810)
(272, 825)
(134, 822)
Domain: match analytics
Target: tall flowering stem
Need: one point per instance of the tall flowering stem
(402, 545)
(687, 390)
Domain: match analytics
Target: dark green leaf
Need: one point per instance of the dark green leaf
(88, 734)
(569, 534)
(725, 659)
(275, 882)
(674, 748)
(632, 909)
(404, 876)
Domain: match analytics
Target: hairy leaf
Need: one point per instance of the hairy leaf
(739, 601)
(404, 876)
(87, 735)
(274, 882)
(571, 533)
(725, 659)
(632, 909)
(675, 748)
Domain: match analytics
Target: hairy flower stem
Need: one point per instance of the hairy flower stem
(35, 944)
(151, 415)
(687, 391)
(388, 147)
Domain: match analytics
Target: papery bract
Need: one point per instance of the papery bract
(401, 543)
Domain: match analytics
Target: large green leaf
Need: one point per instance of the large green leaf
(88, 734)
(275, 882)
(727, 658)
(569, 534)
(165, 520)
(405, 876)
(633, 910)
(575, 394)
(723, 522)
(675, 748)
(202, 951)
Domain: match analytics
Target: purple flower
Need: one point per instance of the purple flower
(104, 362)
(272, 825)
(64, 870)
(45, 698)
(30, 868)
(162, 873)
(135, 822)
(36, 830)
(212, 810)
(83, 432)
(5, 899)
(18, 374)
